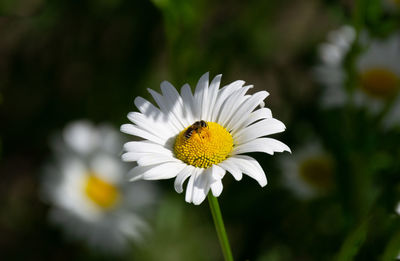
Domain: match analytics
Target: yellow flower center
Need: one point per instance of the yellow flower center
(317, 172)
(203, 144)
(379, 82)
(102, 193)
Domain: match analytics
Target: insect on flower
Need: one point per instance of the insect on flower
(195, 127)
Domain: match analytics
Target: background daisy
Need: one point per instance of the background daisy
(331, 72)
(309, 172)
(87, 188)
(377, 73)
(379, 77)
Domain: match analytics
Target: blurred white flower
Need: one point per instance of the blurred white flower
(377, 69)
(200, 136)
(330, 73)
(88, 191)
(379, 75)
(309, 172)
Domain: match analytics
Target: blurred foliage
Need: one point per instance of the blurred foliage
(180, 232)
(66, 60)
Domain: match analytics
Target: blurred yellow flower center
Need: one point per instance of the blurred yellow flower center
(203, 144)
(317, 172)
(104, 194)
(379, 82)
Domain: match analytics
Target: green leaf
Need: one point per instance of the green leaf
(353, 242)
(393, 248)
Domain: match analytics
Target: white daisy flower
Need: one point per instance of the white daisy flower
(308, 172)
(87, 188)
(200, 136)
(330, 72)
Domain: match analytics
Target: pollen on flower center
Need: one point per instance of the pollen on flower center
(102, 193)
(203, 144)
(379, 82)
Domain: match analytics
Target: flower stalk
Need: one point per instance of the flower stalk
(219, 226)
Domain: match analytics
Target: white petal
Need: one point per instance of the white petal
(231, 167)
(228, 108)
(217, 172)
(201, 186)
(182, 176)
(188, 101)
(243, 112)
(155, 115)
(159, 171)
(148, 109)
(201, 95)
(132, 156)
(175, 101)
(151, 159)
(216, 188)
(189, 186)
(250, 167)
(258, 129)
(146, 147)
(216, 185)
(136, 173)
(136, 131)
(222, 95)
(212, 96)
(263, 113)
(145, 123)
(266, 145)
(167, 106)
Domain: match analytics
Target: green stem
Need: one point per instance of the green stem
(219, 226)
